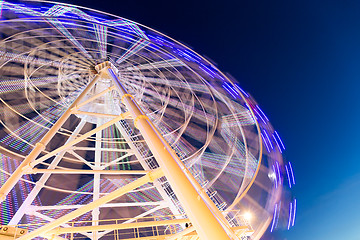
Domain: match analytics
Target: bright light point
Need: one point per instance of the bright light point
(272, 176)
(248, 216)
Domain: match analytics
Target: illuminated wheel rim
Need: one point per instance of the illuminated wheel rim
(219, 132)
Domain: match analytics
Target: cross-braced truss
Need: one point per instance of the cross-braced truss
(111, 130)
(148, 148)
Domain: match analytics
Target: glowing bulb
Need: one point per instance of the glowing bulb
(248, 216)
(272, 176)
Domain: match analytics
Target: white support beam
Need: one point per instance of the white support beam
(102, 149)
(205, 221)
(134, 219)
(89, 164)
(78, 139)
(40, 146)
(35, 191)
(81, 171)
(101, 115)
(182, 233)
(150, 177)
(96, 183)
(138, 155)
(50, 219)
(92, 98)
(59, 231)
(107, 205)
(114, 162)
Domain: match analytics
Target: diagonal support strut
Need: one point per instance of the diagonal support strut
(150, 177)
(40, 146)
(206, 222)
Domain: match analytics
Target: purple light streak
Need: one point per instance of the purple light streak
(294, 213)
(288, 176)
(292, 173)
(237, 86)
(262, 112)
(278, 214)
(136, 47)
(275, 175)
(207, 70)
(280, 140)
(228, 85)
(268, 139)
(278, 168)
(259, 115)
(224, 86)
(264, 140)
(290, 214)
(193, 56)
(1, 8)
(273, 221)
(277, 143)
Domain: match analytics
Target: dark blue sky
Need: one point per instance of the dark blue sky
(301, 62)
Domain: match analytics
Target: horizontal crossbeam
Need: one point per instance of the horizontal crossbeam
(150, 177)
(81, 171)
(107, 205)
(59, 231)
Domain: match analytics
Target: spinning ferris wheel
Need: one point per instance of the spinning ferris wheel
(111, 130)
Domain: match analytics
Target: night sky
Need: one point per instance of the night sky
(301, 62)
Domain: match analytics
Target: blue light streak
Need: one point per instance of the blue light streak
(162, 42)
(112, 73)
(273, 221)
(278, 168)
(126, 26)
(232, 89)
(20, 9)
(228, 90)
(136, 47)
(238, 87)
(262, 112)
(280, 140)
(137, 30)
(57, 10)
(292, 173)
(290, 214)
(158, 42)
(294, 213)
(268, 139)
(257, 113)
(288, 176)
(186, 55)
(264, 140)
(1, 8)
(101, 36)
(67, 34)
(207, 70)
(193, 56)
(72, 12)
(278, 215)
(275, 175)
(277, 143)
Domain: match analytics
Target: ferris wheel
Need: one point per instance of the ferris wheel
(112, 130)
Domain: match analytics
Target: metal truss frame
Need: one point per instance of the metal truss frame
(207, 220)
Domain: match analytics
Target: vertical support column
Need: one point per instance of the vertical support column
(40, 146)
(206, 224)
(96, 187)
